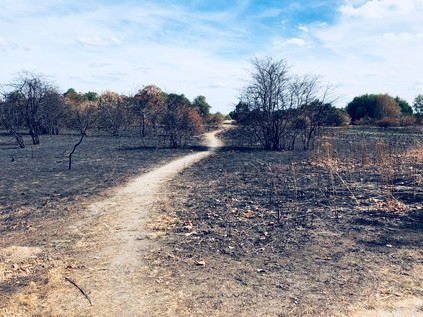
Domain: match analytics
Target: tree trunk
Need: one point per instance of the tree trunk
(74, 148)
(35, 137)
(18, 138)
(143, 126)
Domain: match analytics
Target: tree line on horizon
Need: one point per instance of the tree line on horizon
(385, 111)
(278, 108)
(31, 103)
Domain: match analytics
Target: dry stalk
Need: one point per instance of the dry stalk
(273, 191)
(364, 158)
(384, 167)
(314, 185)
(331, 167)
(348, 188)
(295, 185)
(226, 184)
(228, 203)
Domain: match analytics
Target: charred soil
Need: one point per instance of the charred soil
(331, 232)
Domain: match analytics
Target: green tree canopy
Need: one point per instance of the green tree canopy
(418, 104)
(91, 96)
(362, 107)
(88, 96)
(202, 105)
(70, 91)
(405, 108)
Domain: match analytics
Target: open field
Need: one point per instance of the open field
(332, 232)
(36, 182)
(41, 199)
(336, 231)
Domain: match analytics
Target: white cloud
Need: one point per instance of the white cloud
(216, 84)
(370, 47)
(4, 44)
(98, 41)
(196, 52)
(270, 13)
(418, 84)
(404, 36)
(292, 41)
(296, 41)
(379, 9)
(98, 65)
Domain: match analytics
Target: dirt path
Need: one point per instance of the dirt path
(110, 255)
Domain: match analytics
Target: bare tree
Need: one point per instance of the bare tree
(267, 99)
(53, 112)
(386, 106)
(41, 107)
(84, 115)
(10, 116)
(33, 90)
(113, 112)
(273, 99)
(149, 107)
(180, 121)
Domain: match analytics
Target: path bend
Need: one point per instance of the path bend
(115, 267)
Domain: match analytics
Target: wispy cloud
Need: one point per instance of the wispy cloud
(99, 65)
(379, 10)
(6, 44)
(203, 47)
(270, 13)
(98, 41)
(378, 37)
(293, 41)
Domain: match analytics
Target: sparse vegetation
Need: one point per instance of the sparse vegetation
(317, 233)
(330, 221)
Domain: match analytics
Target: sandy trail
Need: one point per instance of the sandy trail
(114, 272)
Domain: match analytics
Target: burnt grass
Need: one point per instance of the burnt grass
(40, 197)
(36, 184)
(247, 232)
(258, 233)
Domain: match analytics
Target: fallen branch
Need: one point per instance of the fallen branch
(80, 289)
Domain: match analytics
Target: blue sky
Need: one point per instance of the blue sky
(203, 47)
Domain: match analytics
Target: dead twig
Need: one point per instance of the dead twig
(80, 289)
(348, 188)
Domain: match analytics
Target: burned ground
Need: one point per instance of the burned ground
(298, 233)
(243, 232)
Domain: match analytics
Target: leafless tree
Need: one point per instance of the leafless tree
(113, 112)
(40, 106)
(10, 116)
(53, 112)
(273, 98)
(149, 107)
(267, 99)
(33, 90)
(85, 115)
(180, 121)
